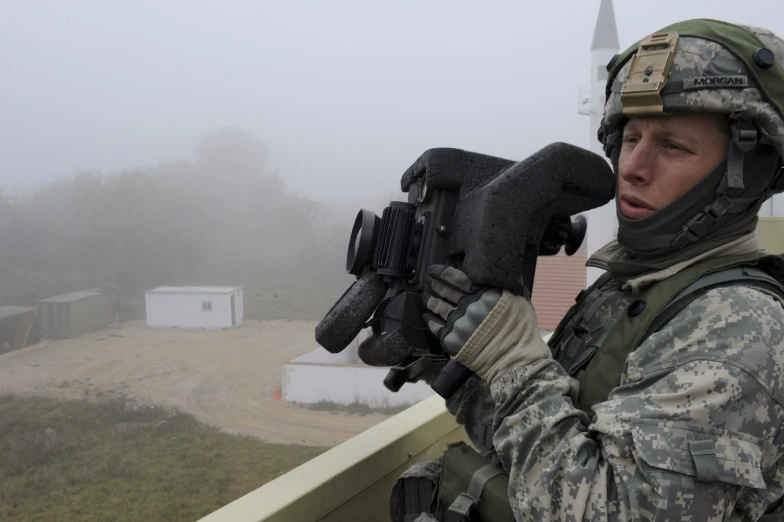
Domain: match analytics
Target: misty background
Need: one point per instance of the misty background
(178, 142)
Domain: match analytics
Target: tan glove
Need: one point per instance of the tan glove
(488, 330)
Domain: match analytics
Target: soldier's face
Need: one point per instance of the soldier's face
(663, 156)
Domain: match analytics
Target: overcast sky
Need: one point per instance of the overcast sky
(346, 94)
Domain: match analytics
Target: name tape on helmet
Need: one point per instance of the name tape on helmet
(707, 82)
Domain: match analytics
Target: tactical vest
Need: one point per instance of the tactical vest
(592, 343)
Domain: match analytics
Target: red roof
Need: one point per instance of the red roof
(557, 282)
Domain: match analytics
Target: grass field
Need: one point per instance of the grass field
(122, 461)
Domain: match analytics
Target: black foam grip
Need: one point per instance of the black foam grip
(449, 169)
(385, 349)
(349, 314)
(559, 180)
(503, 208)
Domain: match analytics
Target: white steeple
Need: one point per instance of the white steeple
(605, 35)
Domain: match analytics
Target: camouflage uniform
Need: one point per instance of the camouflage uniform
(691, 433)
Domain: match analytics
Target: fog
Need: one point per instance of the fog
(175, 143)
(345, 95)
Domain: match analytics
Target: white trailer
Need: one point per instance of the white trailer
(194, 307)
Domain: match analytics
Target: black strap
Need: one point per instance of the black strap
(487, 451)
(694, 229)
(418, 495)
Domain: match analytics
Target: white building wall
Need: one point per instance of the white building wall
(239, 307)
(162, 309)
(349, 355)
(185, 310)
(347, 384)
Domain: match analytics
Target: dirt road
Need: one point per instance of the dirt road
(226, 378)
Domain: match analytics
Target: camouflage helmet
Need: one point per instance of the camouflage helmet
(704, 66)
(704, 75)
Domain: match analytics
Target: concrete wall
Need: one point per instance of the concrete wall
(185, 310)
(351, 481)
(311, 382)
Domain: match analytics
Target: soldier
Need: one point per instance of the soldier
(661, 394)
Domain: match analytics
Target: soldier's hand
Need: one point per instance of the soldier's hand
(489, 330)
(456, 306)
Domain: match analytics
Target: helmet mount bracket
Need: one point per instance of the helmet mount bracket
(648, 73)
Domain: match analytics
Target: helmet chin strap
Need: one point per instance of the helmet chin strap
(744, 138)
(713, 197)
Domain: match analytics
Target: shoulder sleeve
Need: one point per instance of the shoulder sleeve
(692, 431)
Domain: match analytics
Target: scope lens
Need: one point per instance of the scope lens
(362, 242)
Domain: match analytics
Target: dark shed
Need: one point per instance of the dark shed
(19, 327)
(77, 313)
